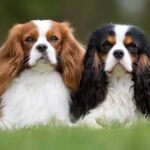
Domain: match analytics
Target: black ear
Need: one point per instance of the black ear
(93, 85)
(141, 71)
(141, 78)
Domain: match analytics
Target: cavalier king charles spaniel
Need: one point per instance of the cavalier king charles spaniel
(40, 64)
(115, 85)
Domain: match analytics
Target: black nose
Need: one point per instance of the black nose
(118, 54)
(41, 48)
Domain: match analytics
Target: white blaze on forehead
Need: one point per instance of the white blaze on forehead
(120, 33)
(43, 26)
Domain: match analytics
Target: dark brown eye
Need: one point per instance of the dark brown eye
(53, 38)
(30, 40)
(132, 47)
(106, 46)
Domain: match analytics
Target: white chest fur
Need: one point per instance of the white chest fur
(36, 97)
(118, 106)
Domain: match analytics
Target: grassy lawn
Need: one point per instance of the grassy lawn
(136, 137)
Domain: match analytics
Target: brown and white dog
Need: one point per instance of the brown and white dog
(40, 63)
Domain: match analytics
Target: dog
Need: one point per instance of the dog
(41, 64)
(115, 85)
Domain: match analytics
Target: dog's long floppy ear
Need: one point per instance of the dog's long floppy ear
(11, 56)
(71, 58)
(93, 85)
(141, 78)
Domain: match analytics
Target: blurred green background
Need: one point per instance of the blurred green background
(85, 15)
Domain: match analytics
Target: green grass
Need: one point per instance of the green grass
(136, 137)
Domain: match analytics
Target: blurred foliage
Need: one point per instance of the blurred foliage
(84, 15)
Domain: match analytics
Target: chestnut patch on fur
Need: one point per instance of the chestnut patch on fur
(70, 54)
(54, 36)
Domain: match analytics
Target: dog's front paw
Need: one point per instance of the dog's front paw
(90, 122)
(5, 125)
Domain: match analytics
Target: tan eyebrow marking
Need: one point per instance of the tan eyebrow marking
(128, 40)
(111, 39)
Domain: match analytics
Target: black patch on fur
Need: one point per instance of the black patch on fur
(93, 85)
(141, 76)
(142, 90)
(140, 38)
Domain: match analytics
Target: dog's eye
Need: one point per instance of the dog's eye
(30, 40)
(132, 47)
(106, 46)
(53, 38)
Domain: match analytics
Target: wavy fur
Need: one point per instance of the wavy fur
(11, 56)
(93, 86)
(71, 58)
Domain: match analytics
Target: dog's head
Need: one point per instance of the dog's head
(41, 41)
(120, 48)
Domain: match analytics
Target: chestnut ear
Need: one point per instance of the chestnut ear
(71, 57)
(11, 56)
(93, 85)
